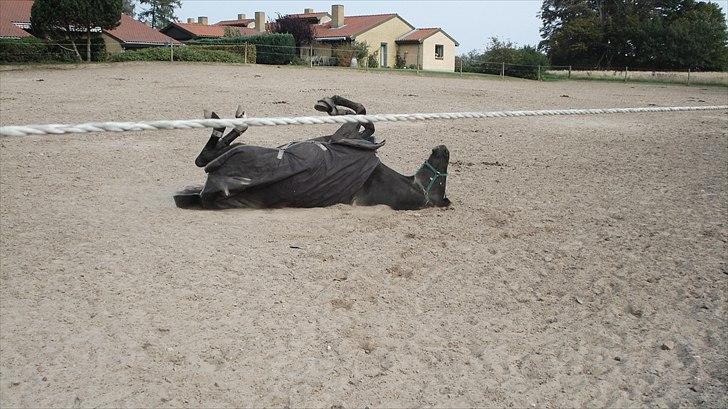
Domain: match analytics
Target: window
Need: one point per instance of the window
(439, 51)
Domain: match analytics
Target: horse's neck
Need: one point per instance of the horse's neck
(386, 186)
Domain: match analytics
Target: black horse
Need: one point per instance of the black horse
(338, 168)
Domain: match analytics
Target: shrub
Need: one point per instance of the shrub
(238, 49)
(344, 52)
(197, 54)
(276, 49)
(35, 50)
(373, 60)
(400, 63)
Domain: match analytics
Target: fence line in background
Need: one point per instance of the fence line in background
(500, 68)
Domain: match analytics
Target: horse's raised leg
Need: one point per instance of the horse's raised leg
(338, 105)
(208, 152)
(237, 131)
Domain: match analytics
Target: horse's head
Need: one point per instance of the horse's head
(432, 176)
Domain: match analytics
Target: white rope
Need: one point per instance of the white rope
(317, 120)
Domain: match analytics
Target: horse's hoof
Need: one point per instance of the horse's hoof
(326, 105)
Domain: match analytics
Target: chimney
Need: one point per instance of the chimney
(202, 20)
(260, 21)
(241, 16)
(307, 11)
(337, 16)
(191, 20)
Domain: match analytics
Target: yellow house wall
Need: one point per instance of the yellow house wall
(429, 62)
(387, 32)
(112, 46)
(409, 53)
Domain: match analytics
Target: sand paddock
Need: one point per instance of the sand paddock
(583, 262)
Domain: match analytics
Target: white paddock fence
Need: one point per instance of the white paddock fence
(93, 127)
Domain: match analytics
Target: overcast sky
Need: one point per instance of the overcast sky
(469, 22)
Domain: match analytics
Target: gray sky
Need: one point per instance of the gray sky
(469, 22)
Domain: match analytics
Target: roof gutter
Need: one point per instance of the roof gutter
(331, 38)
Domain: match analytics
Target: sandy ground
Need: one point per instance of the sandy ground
(583, 262)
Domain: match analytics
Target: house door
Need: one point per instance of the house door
(383, 55)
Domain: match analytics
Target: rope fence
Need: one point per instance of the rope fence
(95, 127)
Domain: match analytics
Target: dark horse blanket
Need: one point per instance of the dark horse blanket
(300, 174)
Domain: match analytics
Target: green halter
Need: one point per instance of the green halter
(435, 175)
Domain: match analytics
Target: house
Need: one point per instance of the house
(312, 17)
(387, 35)
(10, 30)
(15, 18)
(192, 30)
(429, 48)
(130, 34)
(240, 22)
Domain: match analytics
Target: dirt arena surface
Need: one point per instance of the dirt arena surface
(583, 262)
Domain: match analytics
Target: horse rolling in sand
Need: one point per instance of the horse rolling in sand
(323, 171)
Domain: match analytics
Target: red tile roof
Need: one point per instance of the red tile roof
(16, 11)
(10, 30)
(214, 31)
(237, 23)
(131, 31)
(420, 34)
(353, 26)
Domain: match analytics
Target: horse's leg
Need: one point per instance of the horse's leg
(208, 152)
(333, 106)
(354, 106)
(235, 132)
(346, 130)
(359, 110)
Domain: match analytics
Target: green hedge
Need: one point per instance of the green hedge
(35, 50)
(275, 49)
(238, 49)
(180, 54)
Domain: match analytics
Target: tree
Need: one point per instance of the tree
(637, 33)
(64, 19)
(300, 29)
(504, 55)
(231, 32)
(128, 7)
(159, 13)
